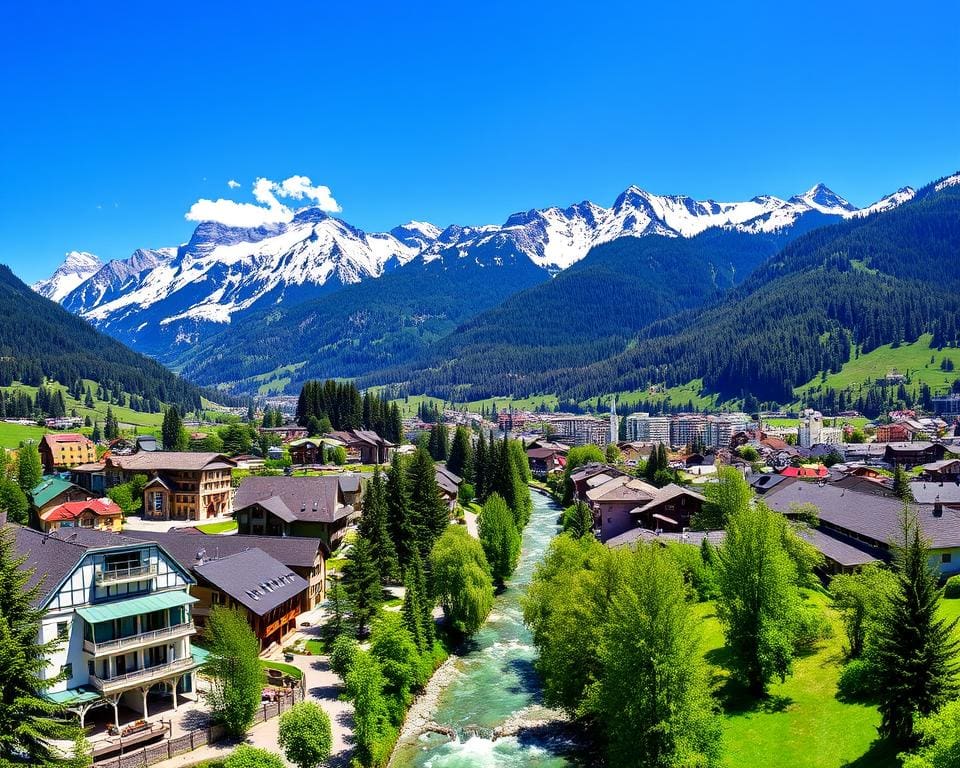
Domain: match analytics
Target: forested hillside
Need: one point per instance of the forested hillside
(852, 286)
(590, 311)
(374, 324)
(39, 339)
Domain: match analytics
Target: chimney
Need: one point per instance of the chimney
(937, 508)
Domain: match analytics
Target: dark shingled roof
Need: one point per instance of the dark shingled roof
(694, 538)
(841, 552)
(309, 499)
(292, 551)
(253, 578)
(863, 515)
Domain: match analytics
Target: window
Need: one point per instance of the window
(215, 598)
(67, 670)
(63, 629)
(157, 502)
(946, 557)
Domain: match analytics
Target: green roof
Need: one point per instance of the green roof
(73, 696)
(200, 655)
(137, 605)
(48, 489)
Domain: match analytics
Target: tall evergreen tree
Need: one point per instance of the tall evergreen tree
(916, 653)
(412, 611)
(430, 513)
(460, 461)
(480, 480)
(418, 576)
(399, 513)
(361, 579)
(373, 527)
(29, 722)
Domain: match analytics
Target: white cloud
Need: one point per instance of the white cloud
(268, 209)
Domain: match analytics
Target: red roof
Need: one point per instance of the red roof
(71, 510)
(820, 471)
(66, 437)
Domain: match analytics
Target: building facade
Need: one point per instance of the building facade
(644, 428)
(67, 450)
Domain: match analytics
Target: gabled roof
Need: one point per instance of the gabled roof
(621, 489)
(71, 510)
(447, 481)
(292, 551)
(672, 491)
(253, 578)
(309, 499)
(49, 488)
(66, 438)
(171, 460)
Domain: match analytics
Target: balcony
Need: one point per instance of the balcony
(145, 676)
(124, 644)
(120, 575)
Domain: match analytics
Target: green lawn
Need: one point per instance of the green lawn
(802, 724)
(287, 669)
(215, 528)
(316, 647)
(11, 435)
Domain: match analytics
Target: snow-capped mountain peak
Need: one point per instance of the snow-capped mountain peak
(77, 266)
(886, 202)
(821, 198)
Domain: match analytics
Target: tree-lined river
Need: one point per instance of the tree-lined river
(494, 684)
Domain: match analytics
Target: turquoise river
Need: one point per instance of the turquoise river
(494, 681)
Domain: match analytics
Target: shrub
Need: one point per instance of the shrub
(952, 589)
(858, 681)
(342, 654)
(811, 627)
(246, 756)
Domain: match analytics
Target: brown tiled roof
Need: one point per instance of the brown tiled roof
(171, 460)
(309, 499)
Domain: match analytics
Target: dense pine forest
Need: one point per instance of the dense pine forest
(833, 292)
(40, 340)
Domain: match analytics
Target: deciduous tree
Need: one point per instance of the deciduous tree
(461, 579)
(236, 677)
(500, 538)
(304, 735)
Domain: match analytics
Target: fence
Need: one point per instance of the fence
(169, 748)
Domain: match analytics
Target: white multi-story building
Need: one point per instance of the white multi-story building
(644, 428)
(121, 609)
(580, 430)
(688, 429)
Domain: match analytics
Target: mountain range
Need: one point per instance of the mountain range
(262, 309)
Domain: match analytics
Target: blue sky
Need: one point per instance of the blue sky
(118, 118)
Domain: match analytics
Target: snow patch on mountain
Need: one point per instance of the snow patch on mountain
(950, 181)
(886, 203)
(76, 268)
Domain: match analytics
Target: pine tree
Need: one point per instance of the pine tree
(480, 480)
(460, 461)
(28, 720)
(96, 435)
(413, 611)
(915, 650)
(430, 513)
(373, 527)
(901, 486)
(418, 576)
(174, 436)
(362, 583)
(399, 514)
(338, 605)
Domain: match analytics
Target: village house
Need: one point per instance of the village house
(101, 514)
(286, 433)
(180, 485)
(672, 508)
(613, 502)
(892, 433)
(63, 451)
(121, 608)
(909, 455)
(591, 475)
(365, 446)
(52, 491)
(296, 506)
(305, 556)
(947, 470)
(312, 450)
(545, 461)
(449, 485)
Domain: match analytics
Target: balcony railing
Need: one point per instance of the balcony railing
(144, 675)
(135, 573)
(133, 641)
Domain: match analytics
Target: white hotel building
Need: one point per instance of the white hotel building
(121, 607)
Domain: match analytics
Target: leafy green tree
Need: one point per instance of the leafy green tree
(305, 735)
(342, 653)
(173, 434)
(915, 650)
(861, 599)
(373, 527)
(361, 579)
(611, 454)
(246, 756)
(578, 520)
(653, 694)
(460, 461)
(399, 513)
(759, 596)
(939, 739)
(29, 467)
(237, 439)
(500, 538)
(365, 684)
(461, 579)
(236, 678)
(338, 606)
(430, 514)
(13, 501)
(403, 672)
(29, 722)
(337, 455)
(731, 493)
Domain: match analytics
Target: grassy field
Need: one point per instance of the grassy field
(909, 359)
(287, 669)
(802, 724)
(11, 435)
